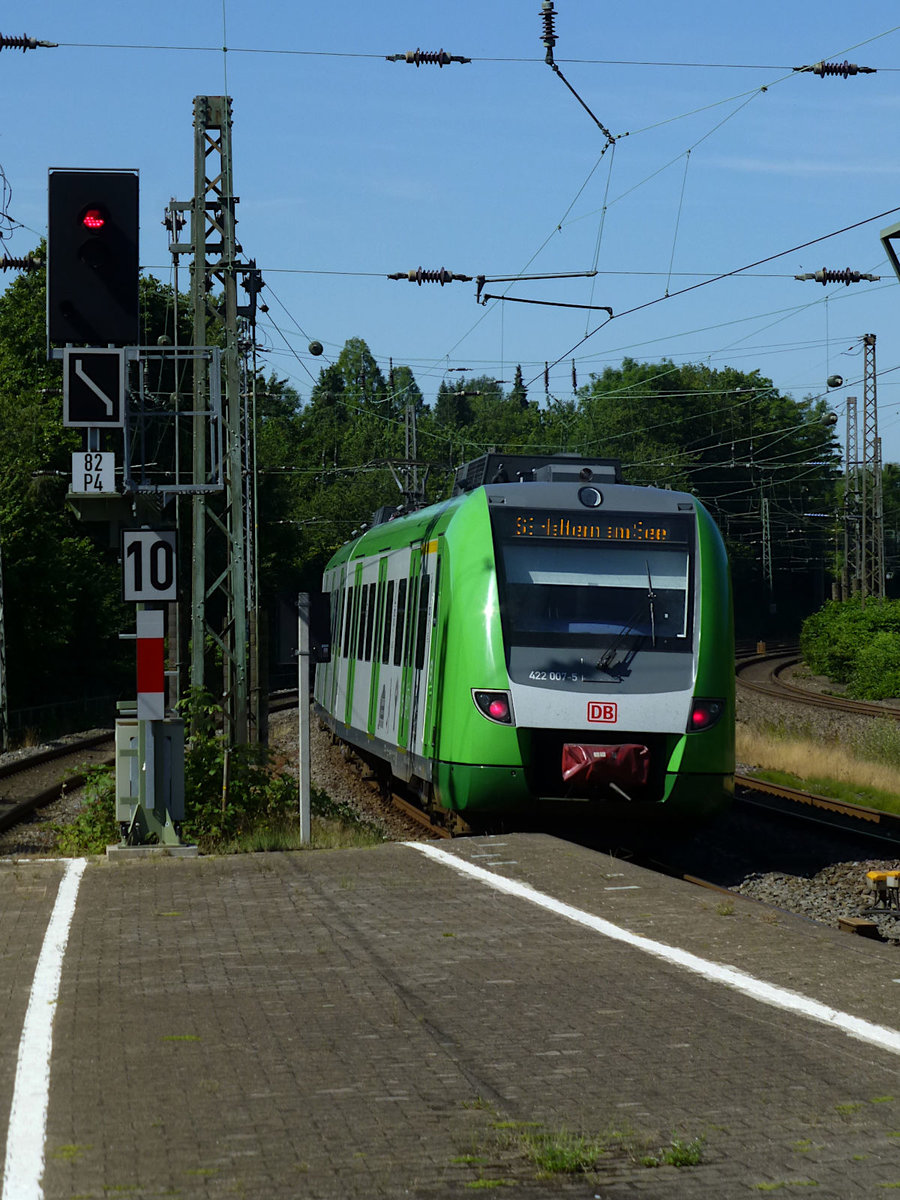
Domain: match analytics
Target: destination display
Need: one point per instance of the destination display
(578, 527)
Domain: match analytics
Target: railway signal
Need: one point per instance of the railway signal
(92, 259)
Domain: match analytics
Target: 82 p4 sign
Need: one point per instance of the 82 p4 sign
(149, 565)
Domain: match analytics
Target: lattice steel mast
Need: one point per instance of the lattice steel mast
(223, 594)
(872, 536)
(852, 569)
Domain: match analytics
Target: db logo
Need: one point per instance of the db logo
(606, 714)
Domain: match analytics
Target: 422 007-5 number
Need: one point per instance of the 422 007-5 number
(555, 676)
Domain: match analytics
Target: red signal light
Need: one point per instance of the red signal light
(93, 219)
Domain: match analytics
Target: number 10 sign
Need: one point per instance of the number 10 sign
(148, 564)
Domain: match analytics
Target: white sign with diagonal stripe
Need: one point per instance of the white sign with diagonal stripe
(93, 387)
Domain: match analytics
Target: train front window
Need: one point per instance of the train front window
(580, 593)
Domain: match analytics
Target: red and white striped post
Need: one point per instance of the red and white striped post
(151, 666)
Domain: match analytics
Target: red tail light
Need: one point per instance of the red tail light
(704, 714)
(496, 706)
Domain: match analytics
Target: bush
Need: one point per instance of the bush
(855, 645)
(95, 827)
(876, 672)
(228, 790)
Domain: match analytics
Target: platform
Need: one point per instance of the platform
(342, 1024)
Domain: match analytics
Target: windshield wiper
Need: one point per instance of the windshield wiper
(618, 670)
(651, 596)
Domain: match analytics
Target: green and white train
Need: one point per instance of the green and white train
(549, 633)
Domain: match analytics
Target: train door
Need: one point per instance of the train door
(338, 667)
(424, 654)
(365, 631)
(406, 630)
(354, 595)
(375, 644)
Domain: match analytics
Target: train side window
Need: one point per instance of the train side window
(379, 622)
(348, 622)
(401, 623)
(361, 627)
(370, 620)
(332, 600)
(345, 618)
(409, 636)
(388, 614)
(422, 624)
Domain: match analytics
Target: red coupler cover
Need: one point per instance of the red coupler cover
(623, 764)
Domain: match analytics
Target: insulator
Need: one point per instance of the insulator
(548, 16)
(846, 276)
(439, 276)
(843, 69)
(420, 276)
(441, 57)
(17, 43)
(28, 263)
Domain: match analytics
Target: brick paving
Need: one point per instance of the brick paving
(369, 1023)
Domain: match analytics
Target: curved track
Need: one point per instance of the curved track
(765, 673)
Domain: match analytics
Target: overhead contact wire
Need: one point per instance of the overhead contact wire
(725, 275)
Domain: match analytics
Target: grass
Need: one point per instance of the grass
(865, 771)
(562, 1152)
(556, 1152)
(326, 833)
(333, 826)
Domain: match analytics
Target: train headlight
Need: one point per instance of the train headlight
(704, 714)
(496, 706)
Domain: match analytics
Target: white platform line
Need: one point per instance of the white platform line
(758, 989)
(26, 1133)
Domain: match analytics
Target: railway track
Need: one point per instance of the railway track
(33, 781)
(881, 830)
(30, 782)
(765, 673)
(419, 816)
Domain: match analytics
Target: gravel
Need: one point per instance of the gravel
(841, 888)
(345, 778)
(838, 890)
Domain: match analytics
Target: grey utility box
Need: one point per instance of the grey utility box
(149, 768)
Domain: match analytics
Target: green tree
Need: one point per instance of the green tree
(61, 591)
(519, 393)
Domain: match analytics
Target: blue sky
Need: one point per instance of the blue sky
(349, 167)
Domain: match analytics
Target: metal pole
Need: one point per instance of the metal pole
(303, 714)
